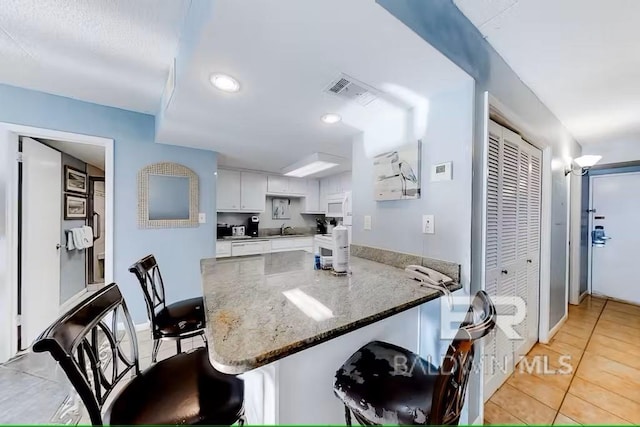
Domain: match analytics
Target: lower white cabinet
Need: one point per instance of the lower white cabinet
(223, 249)
(291, 244)
(253, 247)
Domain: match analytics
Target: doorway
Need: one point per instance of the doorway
(95, 254)
(12, 309)
(614, 207)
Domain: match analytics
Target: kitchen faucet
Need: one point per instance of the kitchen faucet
(283, 229)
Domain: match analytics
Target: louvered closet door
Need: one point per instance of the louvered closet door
(512, 245)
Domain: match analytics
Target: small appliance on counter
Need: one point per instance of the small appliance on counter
(224, 230)
(238, 230)
(252, 226)
(321, 226)
(332, 224)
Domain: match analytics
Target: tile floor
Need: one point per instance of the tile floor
(602, 338)
(35, 390)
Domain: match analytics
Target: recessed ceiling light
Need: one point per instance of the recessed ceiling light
(331, 118)
(225, 82)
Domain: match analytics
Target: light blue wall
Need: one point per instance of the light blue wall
(444, 26)
(178, 250)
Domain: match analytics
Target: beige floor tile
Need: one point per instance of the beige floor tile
(563, 348)
(493, 414)
(584, 313)
(592, 373)
(582, 324)
(610, 351)
(622, 333)
(623, 307)
(586, 413)
(603, 339)
(605, 399)
(576, 331)
(539, 389)
(561, 381)
(562, 419)
(523, 406)
(593, 361)
(570, 339)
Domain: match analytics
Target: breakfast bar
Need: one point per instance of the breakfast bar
(287, 326)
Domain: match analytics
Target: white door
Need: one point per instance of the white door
(228, 190)
(253, 192)
(512, 246)
(616, 201)
(41, 214)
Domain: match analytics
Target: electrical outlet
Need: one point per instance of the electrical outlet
(367, 222)
(428, 224)
(202, 218)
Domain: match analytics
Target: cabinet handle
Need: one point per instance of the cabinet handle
(505, 272)
(529, 261)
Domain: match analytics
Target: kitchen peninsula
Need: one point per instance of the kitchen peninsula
(288, 327)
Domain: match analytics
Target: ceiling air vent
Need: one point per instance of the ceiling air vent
(351, 89)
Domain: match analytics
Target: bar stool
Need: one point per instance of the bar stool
(95, 344)
(175, 322)
(382, 383)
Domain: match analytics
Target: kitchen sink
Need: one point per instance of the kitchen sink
(289, 235)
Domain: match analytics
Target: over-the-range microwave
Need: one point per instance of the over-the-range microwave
(339, 206)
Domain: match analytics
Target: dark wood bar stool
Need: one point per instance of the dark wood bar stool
(385, 384)
(95, 344)
(174, 322)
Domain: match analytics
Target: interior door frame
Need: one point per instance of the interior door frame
(493, 107)
(90, 205)
(9, 312)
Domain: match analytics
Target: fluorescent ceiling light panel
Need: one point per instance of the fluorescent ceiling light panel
(313, 164)
(587, 161)
(311, 168)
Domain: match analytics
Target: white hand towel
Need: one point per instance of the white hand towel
(78, 239)
(87, 236)
(70, 245)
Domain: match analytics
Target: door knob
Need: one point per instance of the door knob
(529, 261)
(505, 272)
(58, 246)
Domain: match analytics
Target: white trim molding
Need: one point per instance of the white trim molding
(8, 318)
(555, 329)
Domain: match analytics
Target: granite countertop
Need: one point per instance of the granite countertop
(262, 308)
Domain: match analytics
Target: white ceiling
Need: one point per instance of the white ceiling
(111, 52)
(579, 56)
(284, 57)
(92, 154)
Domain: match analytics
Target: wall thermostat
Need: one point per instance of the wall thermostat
(441, 172)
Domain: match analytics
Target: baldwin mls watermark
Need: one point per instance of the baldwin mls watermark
(510, 315)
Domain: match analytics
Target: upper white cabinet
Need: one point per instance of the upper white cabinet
(297, 186)
(279, 184)
(240, 191)
(228, 190)
(335, 184)
(312, 199)
(253, 191)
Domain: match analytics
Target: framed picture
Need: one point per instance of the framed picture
(75, 181)
(75, 207)
(397, 173)
(281, 209)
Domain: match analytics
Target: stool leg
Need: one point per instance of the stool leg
(178, 346)
(154, 352)
(347, 415)
(242, 420)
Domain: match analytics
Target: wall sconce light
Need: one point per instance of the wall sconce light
(584, 163)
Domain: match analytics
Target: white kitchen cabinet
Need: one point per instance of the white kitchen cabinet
(253, 192)
(292, 244)
(253, 247)
(345, 182)
(228, 190)
(297, 186)
(278, 184)
(312, 199)
(223, 249)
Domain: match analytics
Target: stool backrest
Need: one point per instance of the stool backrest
(89, 344)
(451, 385)
(148, 274)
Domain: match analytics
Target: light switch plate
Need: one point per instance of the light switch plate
(428, 224)
(202, 218)
(367, 222)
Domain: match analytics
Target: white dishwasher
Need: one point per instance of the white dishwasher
(254, 247)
